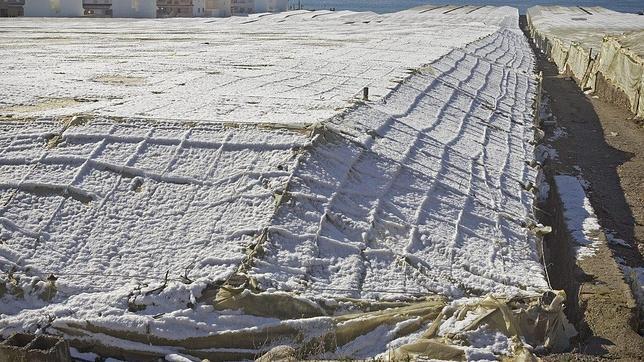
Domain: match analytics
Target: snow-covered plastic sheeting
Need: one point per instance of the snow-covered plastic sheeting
(426, 191)
(106, 205)
(140, 238)
(286, 67)
(515, 324)
(482, 328)
(587, 42)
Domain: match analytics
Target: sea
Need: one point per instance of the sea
(388, 6)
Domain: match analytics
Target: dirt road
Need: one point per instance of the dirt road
(605, 146)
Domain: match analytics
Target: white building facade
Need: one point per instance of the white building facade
(98, 8)
(181, 8)
(270, 6)
(54, 8)
(149, 8)
(217, 8)
(134, 8)
(242, 7)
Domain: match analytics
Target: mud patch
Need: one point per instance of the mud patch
(44, 105)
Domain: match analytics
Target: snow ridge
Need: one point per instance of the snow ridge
(421, 192)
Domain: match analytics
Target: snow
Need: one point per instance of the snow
(205, 192)
(183, 151)
(546, 152)
(579, 215)
(286, 67)
(486, 345)
(82, 356)
(364, 346)
(558, 133)
(414, 207)
(174, 357)
(454, 325)
(483, 343)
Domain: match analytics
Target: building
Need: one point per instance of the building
(134, 8)
(181, 8)
(276, 6)
(242, 7)
(54, 8)
(270, 6)
(217, 8)
(98, 8)
(11, 8)
(139, 8)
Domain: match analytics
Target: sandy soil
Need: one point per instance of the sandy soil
(605, 145)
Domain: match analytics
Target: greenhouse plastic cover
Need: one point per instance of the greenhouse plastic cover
(157, 201)
(590, 41)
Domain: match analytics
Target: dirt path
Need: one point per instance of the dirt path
(605, 146)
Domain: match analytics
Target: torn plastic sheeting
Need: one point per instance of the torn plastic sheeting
(349, 326)
(534, 322)
(250, 343)
(428, 348)
(280, 305)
